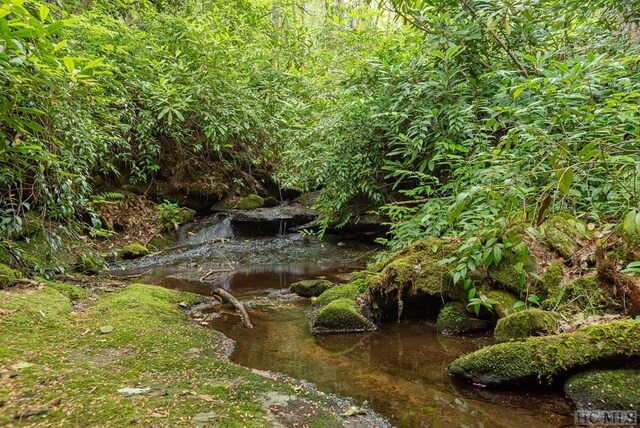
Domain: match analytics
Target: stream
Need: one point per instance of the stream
(400, 371)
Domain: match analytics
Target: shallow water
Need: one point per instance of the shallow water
(399, 370)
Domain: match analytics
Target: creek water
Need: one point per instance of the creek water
(400, 370)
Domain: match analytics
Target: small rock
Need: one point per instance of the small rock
(194, 351)
(133, 391)
(21, 366)
(183, 304)
(159, 414)
(202, 419)
(354, 411)
(106, 329)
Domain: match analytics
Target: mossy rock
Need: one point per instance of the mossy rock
(526, 323)
(341, 316)
(250, 202)
(311, 287)
(553, 276)
(172, 216)
(271, 202)
(584, 294)
(89, 263)
(605, 389)
(133, 251)
(8, 275)
(415, 270)
(544, 358)
(562, 233)
(347, 291)
(455, 319)
(504, 274)
(506, 301)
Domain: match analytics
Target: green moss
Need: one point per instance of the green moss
(347, 291)
(325, 421)
(608, 389)
(271, 202)
(173, 216)
(311, 287)
(544, 358)
(341, 316)
(526, 323)
(250, 202)
(70, 291)
(561, 231)
(68, 357)
(90, 263)
(584, 294)
(506, 300)
(415, 270)
(454, 319)
(504, 274)
(8, 275)
(552, 277)
(133, 250)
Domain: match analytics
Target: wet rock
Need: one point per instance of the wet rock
(311, 287)
(341, 316)
(605, 389)
(563, 233)
(540, 359)
(526, 323)
(250, 202)
(506, 301)
(454, 319)
(8, 275)
(133, 251)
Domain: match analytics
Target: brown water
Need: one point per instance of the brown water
(399, 370)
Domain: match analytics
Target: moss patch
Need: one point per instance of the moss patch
(544, 358)
(553, 276)
(250, 202)
(455, 319)
(89, 263)
(526, 323)
(348, 291)
(8, 276)
(74, 371)
(584, 294)
(612, 389)
(311, 287)
(341, 316)
(561, 232)
(504, 274)
(506, 300)
(133, 250)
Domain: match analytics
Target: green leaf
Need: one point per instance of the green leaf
(566, 180)
(69, 64)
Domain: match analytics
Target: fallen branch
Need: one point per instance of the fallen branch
(212, 271)
(225, 295)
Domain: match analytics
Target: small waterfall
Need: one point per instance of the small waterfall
(283, 228)
(217, 227)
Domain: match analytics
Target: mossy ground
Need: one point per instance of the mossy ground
(8, 275)
(584, 294)
(54, 357)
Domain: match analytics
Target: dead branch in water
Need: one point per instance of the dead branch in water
(623, 287)
(225, 295)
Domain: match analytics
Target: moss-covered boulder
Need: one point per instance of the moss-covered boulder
(347, 291)
(250, 202)
(605, 389)
(526, 323)
(311, 287)
(271, 202)
(455, 319)
(133, 251)
(564, 232)
(552, 277)
(505, 275)
(173, 216)
(505, 302)
(544, 358)
(341, 316)
(585, 295)
(8, 275)
(415, 271)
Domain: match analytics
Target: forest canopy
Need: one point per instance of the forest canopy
(445, 117)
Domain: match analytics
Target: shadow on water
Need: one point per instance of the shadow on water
(399, 370)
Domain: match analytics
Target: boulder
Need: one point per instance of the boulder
(544, 358)
(347, 291)
(504, 274)
(553, 276)
(563, 234)
(506, 301)
(311, 287)
(526, 323)
(455, 319)
(341, 316)
(250, 202)
(605, 389)
(133, 251)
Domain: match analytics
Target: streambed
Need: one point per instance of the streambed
(399, 370)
